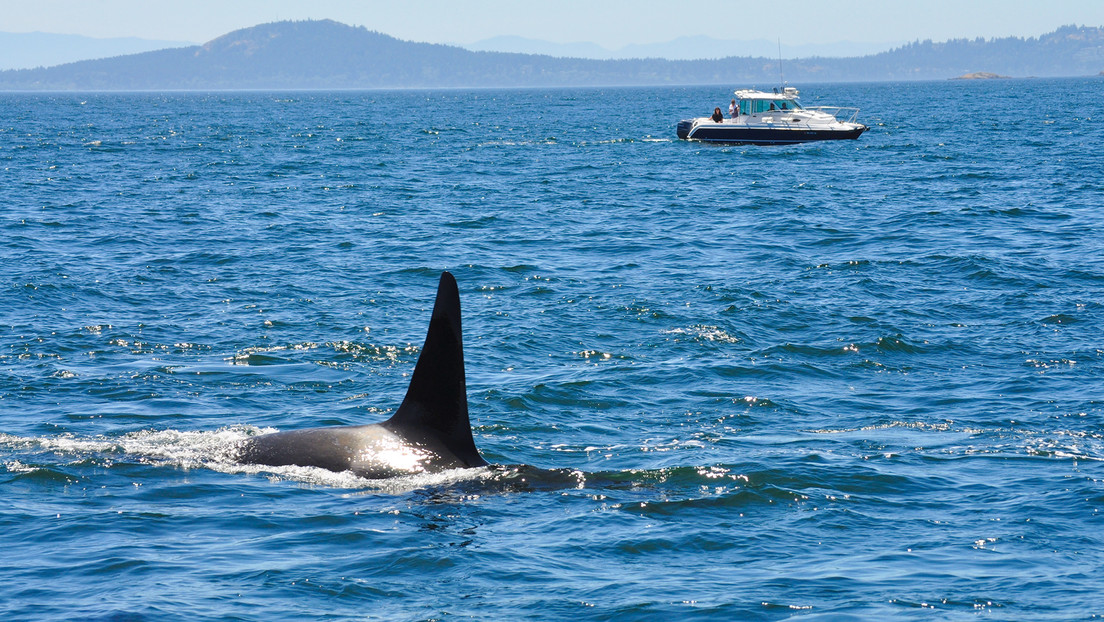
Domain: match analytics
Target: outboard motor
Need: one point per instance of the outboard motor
(684, 128)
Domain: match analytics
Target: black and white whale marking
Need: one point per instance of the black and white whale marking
(430, 431)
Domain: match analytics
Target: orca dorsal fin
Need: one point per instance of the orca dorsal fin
(436, 401)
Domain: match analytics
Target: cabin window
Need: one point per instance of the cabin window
(759, 106)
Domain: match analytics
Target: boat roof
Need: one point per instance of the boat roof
(787, 93)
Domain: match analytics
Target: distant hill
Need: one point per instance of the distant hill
(329, 55)
(24, 50)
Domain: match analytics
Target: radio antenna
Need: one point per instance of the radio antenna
(781, 78)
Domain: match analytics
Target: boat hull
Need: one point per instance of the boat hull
(745, 135)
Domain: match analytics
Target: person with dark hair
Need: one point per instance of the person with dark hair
(733, 109)
(717, 116)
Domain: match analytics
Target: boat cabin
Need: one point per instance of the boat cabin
(759, 102)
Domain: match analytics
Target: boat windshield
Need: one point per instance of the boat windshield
(754, 106)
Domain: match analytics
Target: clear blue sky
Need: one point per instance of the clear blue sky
(610, 23)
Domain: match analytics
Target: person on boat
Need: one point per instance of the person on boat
(717, 116)
(772, 106)
(733, 110)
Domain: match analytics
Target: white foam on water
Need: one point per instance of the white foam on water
(215, 450)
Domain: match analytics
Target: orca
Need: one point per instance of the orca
(430, 432)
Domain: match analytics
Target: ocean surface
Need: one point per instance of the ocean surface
(857, 380)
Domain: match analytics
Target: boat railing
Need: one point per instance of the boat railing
(841, 113)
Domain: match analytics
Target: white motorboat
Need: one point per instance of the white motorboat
(776, 118)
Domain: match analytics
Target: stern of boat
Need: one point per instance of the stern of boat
(684, 128)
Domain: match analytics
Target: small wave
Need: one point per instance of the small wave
(181, 448)
(316, 476)
(609, 141)
(598, 355)
(942, 426)
(518, 143)
(343, 350)
(1050, 363)
(1060, 318)
(474, 223)
(704, 332)
(98, 145)
(950, 439)
(15, 466)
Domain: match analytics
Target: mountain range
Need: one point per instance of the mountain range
(27, 50)
(325, 54)
(680, 48)
(22, 50)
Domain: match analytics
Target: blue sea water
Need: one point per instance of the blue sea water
(857, 380)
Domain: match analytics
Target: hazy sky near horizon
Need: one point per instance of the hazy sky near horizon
(609, 23)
